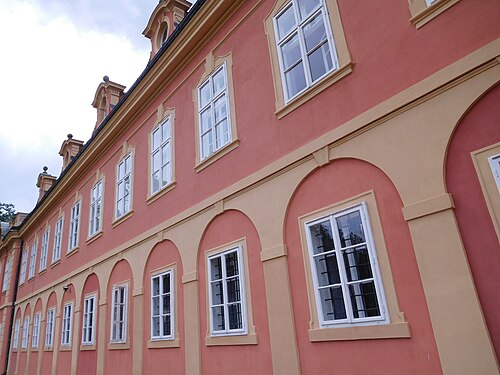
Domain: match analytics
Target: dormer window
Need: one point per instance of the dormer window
(102, 109)
(164, 33)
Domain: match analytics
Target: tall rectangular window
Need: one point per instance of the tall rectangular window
(495, 168)
(56, 253)
(345, 271)
(49, 328)
(305, 44)
(88, 324)
(119, 314)
(162, 306)
(226, 293)
(123, 186)
(161, 156)
(6, 275)
(213, 112)
(36, 330)
(24, 264)
(74, 227)
(45, 250)
(34, 250)
(26, 326)
(95, 208)
(67, 324)
(15, 339)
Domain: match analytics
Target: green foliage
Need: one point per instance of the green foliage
(7, 211)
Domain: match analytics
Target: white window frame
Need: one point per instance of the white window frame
(95, 215)
(494, 161)
(74, 226)
(67, 324)
(241, 275)
(122, 181)
(58, 234)
(44, 250)
(165, 143)
(34, 251)
(25, 336)
(15, 340)
(369, 242)
(49, 328)
(119, 325)
(24, 264)
(322, 9)
(36, 330)
(6, 275)
(161, 297)
(88, 320)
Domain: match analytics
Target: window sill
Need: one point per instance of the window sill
(50, 349)
(164, 190)
(41, 272)
(65, 348)
(86, 347)
(373, 332)
(249, 339)
(94, 237)
(53, 264)
(158, 344)
(283, 109)
(24, 350)
(72, 252)
(216, 155)
(119, 346)
(430, 12)
(122, 218)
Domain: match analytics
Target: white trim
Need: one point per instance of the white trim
(34, 251)
(24, 264)
(494, 161)
(123, 322)
(44, 250)
(89, 323)
(15, 339)
(67, 324)
(74, 226)
(35, 337)
(164, 143)
(6, 275)
(128, 176)
(49, 328)
(160, 296)
(95, 212)
(25, 336)
(58, 234)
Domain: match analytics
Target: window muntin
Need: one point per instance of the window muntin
(305, 44)
(88, 323)
(345, 272)
(162, 306)
(213, 112)
(56, 253)
(36, 330)
(6, 275)
(226, 293)
(119, 314)
(49, 328)
(95, 208)
(161, 155)
(34, 250)
(495, 168)
(45, 250)
(67, 324)
(123, 186)
(26, 326)
(24, 264)
(74, 227)
(15, 340)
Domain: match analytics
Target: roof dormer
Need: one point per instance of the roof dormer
(106, 97)
(165, 18)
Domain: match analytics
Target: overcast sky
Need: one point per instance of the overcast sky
(54, 54)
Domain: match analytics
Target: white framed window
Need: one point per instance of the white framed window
(24, 264)
(161, 155)
(36, 330)
(74, 227)
(45, 250)
(89, 316)
(227, 293)
(346, 276)
(495, 168)
(214, 114)
(6, 275)
(306, 49)
(430, 2)
(162, 306)
(49, 328)
(58, 231)
(15, 339)
(123, 186)
(67, 323)
(119, 313)
(95, 208)
(26, 326)
(34, 250)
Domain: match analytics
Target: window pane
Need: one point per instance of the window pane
(166, 283)
(295, 80)
(306, 6)
(165, 130)
(128, 162)
(350, 229)
(165, 175)
(126, 203)
(233, 290)
(165, 153)
(205, 94)
(222, 134)
(332, 303)
(290, 52)
(327, 269)
(206, 120)
(166, 325)
(286, 22)
(156, 326)
(156, 161)
(156, 286)
(156, 139)
(364, 299)
(207, 144)
(218, 318)
(357, 264)
(156, 181)
(220, 109)
(232, 264)
(320, 61)
(121, 170)
(166, 305)
(321, 237)
(314, 32)
(219, 81)
(235, 319)
(156, 305)
(216, 268)
(217, 293)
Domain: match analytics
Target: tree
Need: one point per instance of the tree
(7, 211)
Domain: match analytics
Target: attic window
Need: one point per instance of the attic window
(162, 34)
(103, 108)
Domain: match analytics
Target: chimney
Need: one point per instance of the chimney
(106, 97)
(69, 149)
(44, 183)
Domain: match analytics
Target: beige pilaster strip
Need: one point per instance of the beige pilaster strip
(189, 277)
(138, 327)
(75, 342)
(428, 207)
(464, 349)
(273, 253)
(101, 339)
(192, 326)
(56, 344)
(41, 346)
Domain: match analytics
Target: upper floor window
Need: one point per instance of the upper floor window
(34, 250)
(6, 275)
(74, 227)
(67, 324)
(213, 112)
(88, 324)
(123, 186)
(45, 250)
(49, 328)
(15, 340)
(344, 266)
(423, 11)
(495, 168)
(95, 208)
(24, 263)
(26, 326)
(162, 306)
(161, 155)
(119, 313)
(56, 253)
(36, 330)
